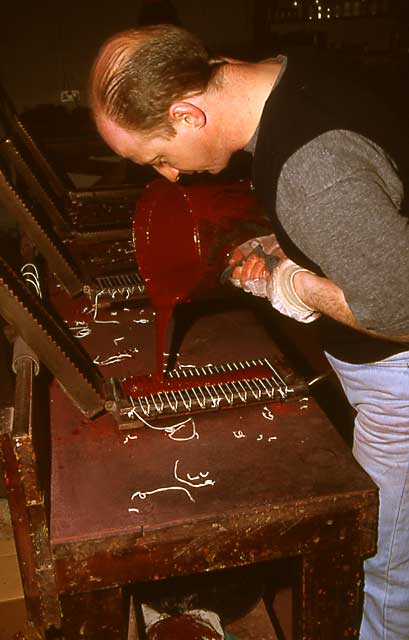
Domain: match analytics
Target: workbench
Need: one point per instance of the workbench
(275, 482)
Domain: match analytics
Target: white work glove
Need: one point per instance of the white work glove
(264, 246)
(278, 288)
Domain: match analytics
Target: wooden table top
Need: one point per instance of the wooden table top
(221, 466)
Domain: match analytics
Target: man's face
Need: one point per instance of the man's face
(192, 149)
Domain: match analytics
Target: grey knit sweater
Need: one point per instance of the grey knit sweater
(338, 198)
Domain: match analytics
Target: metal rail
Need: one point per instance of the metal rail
(273, 387)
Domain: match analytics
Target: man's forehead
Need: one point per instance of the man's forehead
(123, 142)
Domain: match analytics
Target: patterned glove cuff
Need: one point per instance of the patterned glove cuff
(283, 295)
(300, 303)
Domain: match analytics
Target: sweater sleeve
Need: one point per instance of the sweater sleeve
(339, 201)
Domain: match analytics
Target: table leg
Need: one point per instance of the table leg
(328, 600)
(98, 615)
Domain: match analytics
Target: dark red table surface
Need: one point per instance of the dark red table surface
(296, 457)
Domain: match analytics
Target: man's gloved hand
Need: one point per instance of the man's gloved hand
(265, 248)
(277, 285)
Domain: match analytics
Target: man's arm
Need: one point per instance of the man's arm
(339, 202)
(318, 293)
(326, 297)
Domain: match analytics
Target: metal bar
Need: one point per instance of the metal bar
(52, 342)
(46, 242)
(211, 397)
(62, 226)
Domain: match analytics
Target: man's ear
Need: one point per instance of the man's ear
(188, 114)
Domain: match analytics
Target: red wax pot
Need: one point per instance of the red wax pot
(184, 235)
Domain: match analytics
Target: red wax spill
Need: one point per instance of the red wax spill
(183, 237)
(182, 627)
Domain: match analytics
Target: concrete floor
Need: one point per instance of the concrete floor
(12, 611)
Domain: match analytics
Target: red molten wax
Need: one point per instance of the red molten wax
(183, 237)
(182, 627)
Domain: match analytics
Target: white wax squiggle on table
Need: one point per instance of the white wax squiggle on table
(201, 484)
(115, 358)
(169, 430)
(143, 494)
(29, 272)
(266, 413)
(95, 312)
(80, 329)
(129, 437)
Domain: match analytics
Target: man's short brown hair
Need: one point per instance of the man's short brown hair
(138, 74)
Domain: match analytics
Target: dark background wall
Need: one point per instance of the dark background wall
(46, 47)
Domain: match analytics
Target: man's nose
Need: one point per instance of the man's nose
(169, 172)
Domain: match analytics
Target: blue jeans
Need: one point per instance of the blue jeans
(379, 392)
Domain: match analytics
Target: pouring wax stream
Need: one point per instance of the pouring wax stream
(168, 254)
